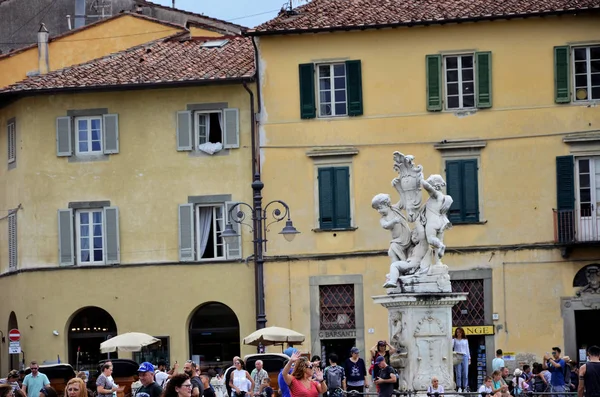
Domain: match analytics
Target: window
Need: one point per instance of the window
(90, 237)
(208, 127)
(334, 198)
(208, 131)
(337, 308)
(94, 229)
(460, 81)
(200, 229)
(586, 70)
(209, 226)
(461, 182)
(91, 135)
(11, 133)
(338, 87)
(332, 90)
(12, 241)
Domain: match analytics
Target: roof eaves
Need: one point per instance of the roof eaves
(275, 31)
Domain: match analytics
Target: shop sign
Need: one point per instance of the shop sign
(337, 333)
(477, 330)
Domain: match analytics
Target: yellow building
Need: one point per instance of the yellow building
(118, 177)
(500, 99)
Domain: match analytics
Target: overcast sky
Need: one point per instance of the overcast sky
(248, 13)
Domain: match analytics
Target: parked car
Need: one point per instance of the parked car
(273, 363)
(124, 374)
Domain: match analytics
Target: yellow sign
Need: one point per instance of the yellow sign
(477, 330)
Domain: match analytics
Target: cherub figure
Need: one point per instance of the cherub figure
(417, 252)
(434, 212)
(394, 221)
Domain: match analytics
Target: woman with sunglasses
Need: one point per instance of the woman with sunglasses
(300, 380)
(178, 386)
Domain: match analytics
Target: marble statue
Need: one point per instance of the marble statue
(415, 252)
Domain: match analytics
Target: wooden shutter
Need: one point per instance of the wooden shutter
(341, 195)
(12, 241)
(434, 82)
(484, 79)
(110, 123)
(454, 189)
(326, 184)
(354, 88)
(470, 204)
(66, 252)
(186, 233)
(64, 146)
(308, 108)
(565, 198)
(231, 133)
(562, 74)
(184, 130)
(234, 251)
(111, 233)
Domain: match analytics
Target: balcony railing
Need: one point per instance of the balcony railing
(576, 226)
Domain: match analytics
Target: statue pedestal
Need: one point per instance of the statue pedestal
(420, 327)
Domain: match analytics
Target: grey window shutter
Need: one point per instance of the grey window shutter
(186, 232)
(110, 123)
(111, 236)
(234, 251)
(231, 135)
(64, 146)
(184, 130)
(66, 254)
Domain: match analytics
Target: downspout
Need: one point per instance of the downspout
(257, 66)
(255, 169)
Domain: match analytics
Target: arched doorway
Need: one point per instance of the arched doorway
(14, 359)
(87, 329)
(214, 335)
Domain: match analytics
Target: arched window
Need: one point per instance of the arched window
(88, 328)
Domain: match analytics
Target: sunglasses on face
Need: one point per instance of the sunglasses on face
(188, 385)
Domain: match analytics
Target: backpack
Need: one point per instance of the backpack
(333, 377)
(566, 373)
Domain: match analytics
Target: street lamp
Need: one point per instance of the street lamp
(259, 228)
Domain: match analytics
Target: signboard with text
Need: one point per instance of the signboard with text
(477, 330)
(14, 348)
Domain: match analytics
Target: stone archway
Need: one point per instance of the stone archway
(214, 334)
(13, 360)
(581, 310)
(87, 328)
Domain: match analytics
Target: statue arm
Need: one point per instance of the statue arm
(430, 189)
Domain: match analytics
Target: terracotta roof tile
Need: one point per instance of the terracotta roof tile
(158, 62)
(360, 14)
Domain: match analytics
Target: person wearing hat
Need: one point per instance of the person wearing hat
(356, 372)
(11, 379)
(149, 387)
(386, 379)
(381, 350)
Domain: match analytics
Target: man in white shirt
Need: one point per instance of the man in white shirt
(498, 362)
(161, 375)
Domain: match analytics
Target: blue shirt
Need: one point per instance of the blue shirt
(284, 389)
(558, 375)
(35, 384)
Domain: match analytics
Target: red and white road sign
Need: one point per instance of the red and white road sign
(14, 335)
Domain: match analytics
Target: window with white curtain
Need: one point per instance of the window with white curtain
(209, 226)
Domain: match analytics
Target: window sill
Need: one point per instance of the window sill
(592, 103)
(483, 222)
(345, 229)
(84, 158)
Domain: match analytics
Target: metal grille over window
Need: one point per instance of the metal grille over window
(12, 241)
(337, 307)
(472, 311)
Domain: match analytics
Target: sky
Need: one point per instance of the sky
(248, 13)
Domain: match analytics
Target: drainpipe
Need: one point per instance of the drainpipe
(43, 64)
(257, 77)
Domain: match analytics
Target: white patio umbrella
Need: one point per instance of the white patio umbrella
(129, 342)
(273, 336)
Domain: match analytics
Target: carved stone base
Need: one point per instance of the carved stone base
(420, 327)
(435, 280)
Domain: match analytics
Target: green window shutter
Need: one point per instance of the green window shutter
(186, 233)
(111, 224)
(326, 180)
(561, 75)
(565, 183)
(434, 82)
(308, 109)
(565, 198)
(454, 189)
(470, 198)
(354, 88)
(341, 195)
(66, 246)
(111, 133)
(484, 79)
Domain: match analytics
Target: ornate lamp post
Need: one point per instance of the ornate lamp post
(259, 227)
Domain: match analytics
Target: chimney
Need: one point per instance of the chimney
(43, 64)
